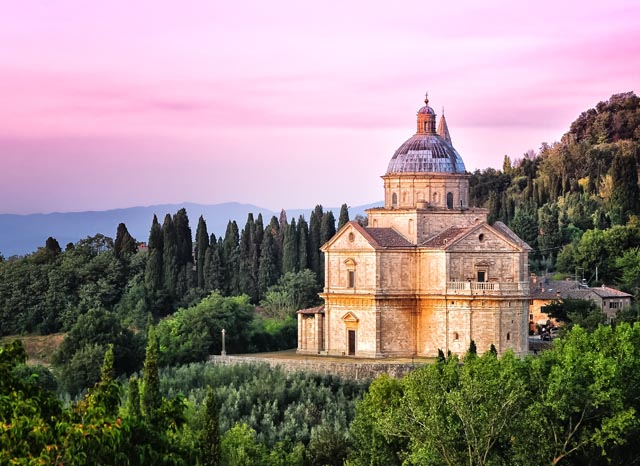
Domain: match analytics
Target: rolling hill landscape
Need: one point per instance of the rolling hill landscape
(23, 234)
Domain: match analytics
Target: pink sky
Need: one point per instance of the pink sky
(284, 103)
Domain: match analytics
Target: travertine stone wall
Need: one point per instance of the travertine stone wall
(343, 313)
(347, 369)
(451, 324)
(363, 263)
(399, 276)
(398, 327)
(310, 333)
(426, 222)
(431, 189)
(432, 271)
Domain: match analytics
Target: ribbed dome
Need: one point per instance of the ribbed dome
(426, 153)
(426, 110)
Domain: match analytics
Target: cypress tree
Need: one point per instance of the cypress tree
(247, 282)
(170, 256)
(151, 399)
(184, 238)
(230, 252)
(154, 272)
(106, 393)
(274, 224)
(282, 220)
(268, 272)
(327, 231)
(625, 194)
(493, 204)
(124, 244)
(290, 259)
(328, 227)
(344, 216)
(213, 269)
(210, 450)
(202, 247)
(303, 243)
(133, 399)
(52, 245)
(258, 232)
(256, 254)
(315, 227)
(107, 371)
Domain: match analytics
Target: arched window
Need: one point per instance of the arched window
(435, 198)
(508, 336)
(394, 200)
(456, 337)
(449, 200)
(410, 226)
(375, 223)
(404, 197)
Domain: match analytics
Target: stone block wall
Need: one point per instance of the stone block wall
(347, 369)
(344, 314)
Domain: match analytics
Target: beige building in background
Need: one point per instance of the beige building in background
(427, 273)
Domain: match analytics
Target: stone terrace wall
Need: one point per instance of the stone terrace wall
(348, 369)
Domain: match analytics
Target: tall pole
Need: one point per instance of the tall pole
(223, 353)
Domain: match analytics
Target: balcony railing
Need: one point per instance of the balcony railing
(487, 288)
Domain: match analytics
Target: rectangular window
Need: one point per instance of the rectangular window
(351, 279)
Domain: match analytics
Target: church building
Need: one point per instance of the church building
(427, 273)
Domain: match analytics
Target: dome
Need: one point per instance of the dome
(426, 153)
(426, 110)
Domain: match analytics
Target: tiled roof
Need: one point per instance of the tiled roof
(442, 239)
(555, 289)
(606, 292)
(312, 310)
(388, 238)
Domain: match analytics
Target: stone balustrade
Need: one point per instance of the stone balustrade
(488, 288)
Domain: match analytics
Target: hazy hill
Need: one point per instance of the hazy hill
(23, 234)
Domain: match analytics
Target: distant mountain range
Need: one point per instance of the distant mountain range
(23, 234)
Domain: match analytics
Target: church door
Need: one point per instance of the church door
(352, 342)
(449, 200)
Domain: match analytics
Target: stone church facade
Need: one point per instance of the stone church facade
(427, 273)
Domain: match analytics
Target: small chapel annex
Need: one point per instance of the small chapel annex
(427, 273)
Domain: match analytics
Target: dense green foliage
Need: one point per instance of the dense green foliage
(104, 292)
(576, 404)
(195, 414)
(565, 199)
